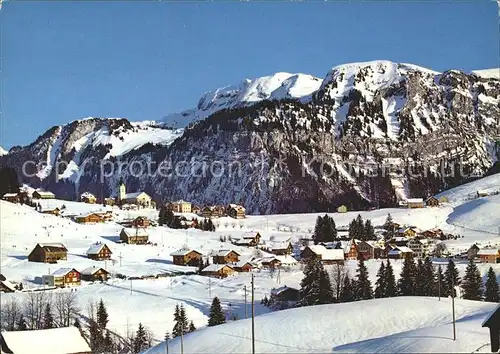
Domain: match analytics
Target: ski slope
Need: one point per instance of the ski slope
(397, 325)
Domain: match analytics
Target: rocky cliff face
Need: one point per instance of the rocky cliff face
(368, 135)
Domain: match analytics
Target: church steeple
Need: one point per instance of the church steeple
(121, 190)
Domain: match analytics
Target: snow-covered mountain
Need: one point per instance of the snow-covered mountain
(292, 143)
(3, 151)
(249, 91)
(488, 73)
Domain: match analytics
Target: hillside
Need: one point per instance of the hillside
(398, 325)
(289, 143)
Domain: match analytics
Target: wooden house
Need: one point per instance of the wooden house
(67, 340)
(109, 201)
(63, 277)
(270, 262)
(218, 270)
(472, 251)
(187, 257)
(11, 197)
(91, 218)
(280, 248)
(196, 210)
(141, 221)
(285, 294)
(50, 210)
(249, 240)
(493, 323)
(225, 256)
(95, 274)
(43, 195)
(6, 286)
(134, 236)
(206, 212)
(432, 202)
(243, 266)
(413, 203)
(236, 211)
(88, 198)
(365, 250)
(351, 251)
(48, 253)
(399, 252)
(325, 255)
(489, 255)
(99, 252)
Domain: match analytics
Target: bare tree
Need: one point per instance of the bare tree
(66, 306)
(34, 308)
(337, 276)
(10, 313)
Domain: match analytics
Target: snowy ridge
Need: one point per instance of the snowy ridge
(3, 151)
(488, 73)
(278, 86)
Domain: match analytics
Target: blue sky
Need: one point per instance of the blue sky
(142, 60)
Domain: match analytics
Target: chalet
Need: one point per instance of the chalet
(433, 233)
(286, 260)
(196, 210)
(95, 274)
(180, 206)
(134, 236)
(432, 202)
(48, 253)
(491, 255)
(365, 249)
(326, 256)
(243, 266)
(270, 262)
(493, 323)
(225, 256)
(285, 294)
(218, 270)
(351, 251)
(236, 211)
(207, 212)
(249, 240)
(407, 232)
(52, 211)
(280, 248)
(187, 257)
(63, 340)
(399, 252)
(88, 198)
(417, 248)
(141, 221)
(399, 241)
(342, 209)
(62, 278)
(109, 201)
(472, 251)
(91, 218)
(43, 195)
(413, 203)
(6, 286)
(11, 197)
(99, 252)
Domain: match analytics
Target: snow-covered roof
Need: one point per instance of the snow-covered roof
(95, 248)
(183, 252)
(134, 195)
(62, 272)
(223, 253)
(286, 260)
(181, 201)
(269, 259)
(242, 262)
(45, 193)
(279, 290)
(47, 341)
(136, 231)
(8, 285)
(279, 245)
(91, 270)
(9, 195)
(87, 195)
(327, 254)
(215, 267)
(236, 206)
(487, 252)
(490, 315)
(53, 245)
(405, 249)
(415, 200)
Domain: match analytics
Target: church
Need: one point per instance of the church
(141, 199)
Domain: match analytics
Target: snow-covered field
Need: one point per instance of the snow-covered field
(152, 301)
(395, 325)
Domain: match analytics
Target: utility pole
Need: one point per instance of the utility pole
(439, 289)
(182, 339)
(210, 287)
(253, 318)
(130, 286)
(453, 307)
(245, 289)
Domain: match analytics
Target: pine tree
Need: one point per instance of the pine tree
(176, 331)
(389, 227)
(140, 341)
(108, 343)
(216, 316)
(21, 324)
(380, 284)
(472, 284)
(347, 291)
(325, 287)
(183, 319)
(428, 278)
(315, 287)
(491, 292)
(48, 319)
(390, 281)
(406, 282)
(161, 216)
(192, 327)
(102, 315)
(77, 323)
(362, 286)
(450, 279)
(167, 336)
(96, 340)
(419, 278)
(369, 233)
(318, 235)
(439, 282)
